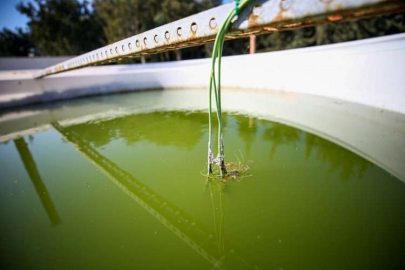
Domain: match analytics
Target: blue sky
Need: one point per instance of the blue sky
(11, 18)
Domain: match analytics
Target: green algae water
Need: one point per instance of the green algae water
(127, 192)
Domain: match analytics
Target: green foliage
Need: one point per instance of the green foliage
(62, 27)
(14, 43)
(333, 33)
(72, 27)
(125, 18)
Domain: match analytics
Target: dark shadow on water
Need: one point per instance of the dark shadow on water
(40, 188)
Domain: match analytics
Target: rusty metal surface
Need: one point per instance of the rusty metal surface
(262, 16)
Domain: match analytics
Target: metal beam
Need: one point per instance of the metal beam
(262, 16)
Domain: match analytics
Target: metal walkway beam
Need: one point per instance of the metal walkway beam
(263, 16)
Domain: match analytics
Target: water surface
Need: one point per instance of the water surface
(126, 192)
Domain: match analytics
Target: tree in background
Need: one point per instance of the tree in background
(322, 34)
(125, 18)
(72, 27)
(333, 33)
(62, 27)
(14, 43)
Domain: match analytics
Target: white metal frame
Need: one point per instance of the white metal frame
(263, 16)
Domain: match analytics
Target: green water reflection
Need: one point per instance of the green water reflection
(32, 171)
(131, 195)
(148, 127)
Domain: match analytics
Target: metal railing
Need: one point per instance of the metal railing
(262, 16)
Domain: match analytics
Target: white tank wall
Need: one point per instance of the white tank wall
(19, 63)
(369, 72)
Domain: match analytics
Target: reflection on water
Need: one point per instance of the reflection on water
(168, 214)
(40, 188)
(293, 213)
(148, 127)
(247, 129)
(279, 135)
(338, 158)
(228, 257)
(185, 130)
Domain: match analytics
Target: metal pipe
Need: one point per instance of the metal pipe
(252, 44)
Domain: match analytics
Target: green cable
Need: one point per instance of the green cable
(216, 85)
